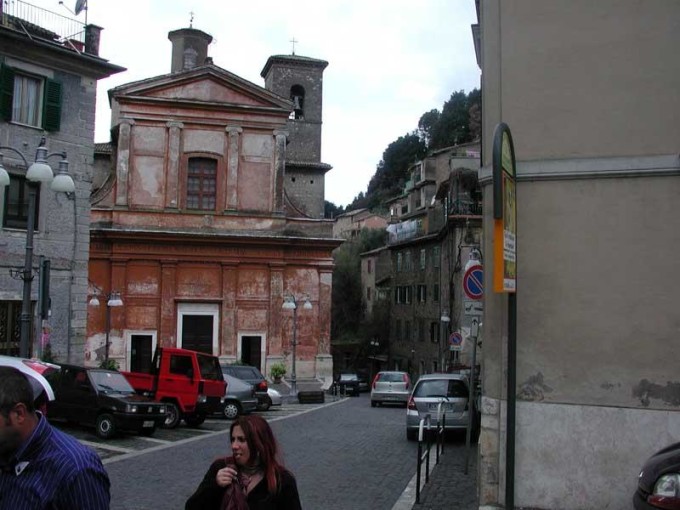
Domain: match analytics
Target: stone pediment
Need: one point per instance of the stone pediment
(206, 84)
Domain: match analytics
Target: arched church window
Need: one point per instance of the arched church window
(202, 184)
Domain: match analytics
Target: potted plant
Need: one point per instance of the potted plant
(277, 371)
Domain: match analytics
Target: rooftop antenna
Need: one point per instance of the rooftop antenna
(293, 40)
(191, 19)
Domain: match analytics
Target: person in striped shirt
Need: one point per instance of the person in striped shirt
(40, 466)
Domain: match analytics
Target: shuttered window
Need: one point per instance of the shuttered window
(30, 99)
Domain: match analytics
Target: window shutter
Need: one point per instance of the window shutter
(52, 106)
(6, 92)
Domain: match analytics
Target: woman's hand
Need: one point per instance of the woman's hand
(225, 476)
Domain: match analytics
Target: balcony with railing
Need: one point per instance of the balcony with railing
(38, 23)
(465, 207)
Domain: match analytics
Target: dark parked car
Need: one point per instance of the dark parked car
(364, 385)
(348, 384)
(659, 481)
(253, 376)
(103, 399)
(239, 399)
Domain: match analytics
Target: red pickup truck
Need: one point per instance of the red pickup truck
(190, 383)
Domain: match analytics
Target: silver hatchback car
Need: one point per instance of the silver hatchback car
(240, 398)
(390, 387)
(431, 389)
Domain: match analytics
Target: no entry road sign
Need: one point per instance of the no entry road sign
(473, 282)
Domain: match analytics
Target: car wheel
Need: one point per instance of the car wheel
(373, 403)
(105, 427)
(411, 435)
(231, 410)
(195, 420)
(147, 432)
(264, 405)
(172, 416)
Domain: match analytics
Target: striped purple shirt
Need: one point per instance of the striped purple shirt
(54, 471)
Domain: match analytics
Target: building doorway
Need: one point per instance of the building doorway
(197, 333)
(140, 345)
(197, 327)
(141, 353)
(10, 328)
(251, 348)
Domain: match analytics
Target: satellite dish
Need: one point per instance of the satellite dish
(81, 5)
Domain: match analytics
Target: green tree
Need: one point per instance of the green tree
(347, 305)
(426, 125)
(454, 124)
(330, 210)
(392, 171)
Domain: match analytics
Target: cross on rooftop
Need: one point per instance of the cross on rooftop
(293, 40)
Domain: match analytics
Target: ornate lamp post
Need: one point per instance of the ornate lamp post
(290, 303)
(112, 300)
(37, 172)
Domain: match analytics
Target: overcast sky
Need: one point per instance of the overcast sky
(389, 61)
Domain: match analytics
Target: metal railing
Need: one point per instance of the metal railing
(424, 428)
(39, 22)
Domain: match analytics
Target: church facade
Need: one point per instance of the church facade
(209, 215)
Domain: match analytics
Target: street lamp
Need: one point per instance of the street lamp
(112, 300)
(290, 303)
(37, 172)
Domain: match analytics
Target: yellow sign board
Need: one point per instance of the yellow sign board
(505, 212)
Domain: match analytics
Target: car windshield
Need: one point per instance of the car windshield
(433, 388)
(390, 377)
(349, 377)
(110, 382)
(210, 368)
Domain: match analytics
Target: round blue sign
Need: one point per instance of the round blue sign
(473, 282)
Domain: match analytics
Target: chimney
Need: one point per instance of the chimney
(92, 35)
(189, 48)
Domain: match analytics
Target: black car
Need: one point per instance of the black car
(103, 399)
(348, 384)
(253, 376)
(659, 481)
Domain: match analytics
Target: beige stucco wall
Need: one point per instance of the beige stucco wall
(590, 92)
(582, 78)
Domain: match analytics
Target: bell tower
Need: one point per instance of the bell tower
(300, 79)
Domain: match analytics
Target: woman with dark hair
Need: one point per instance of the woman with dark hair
(252, 478)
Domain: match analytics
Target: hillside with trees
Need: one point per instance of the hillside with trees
(459, 121)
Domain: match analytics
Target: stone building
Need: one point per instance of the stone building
(210, 215)
(436, 224)
(48, 81)
(348, 225)
(590, 93)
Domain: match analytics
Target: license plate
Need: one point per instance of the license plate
(148, 423)
(445, 407)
